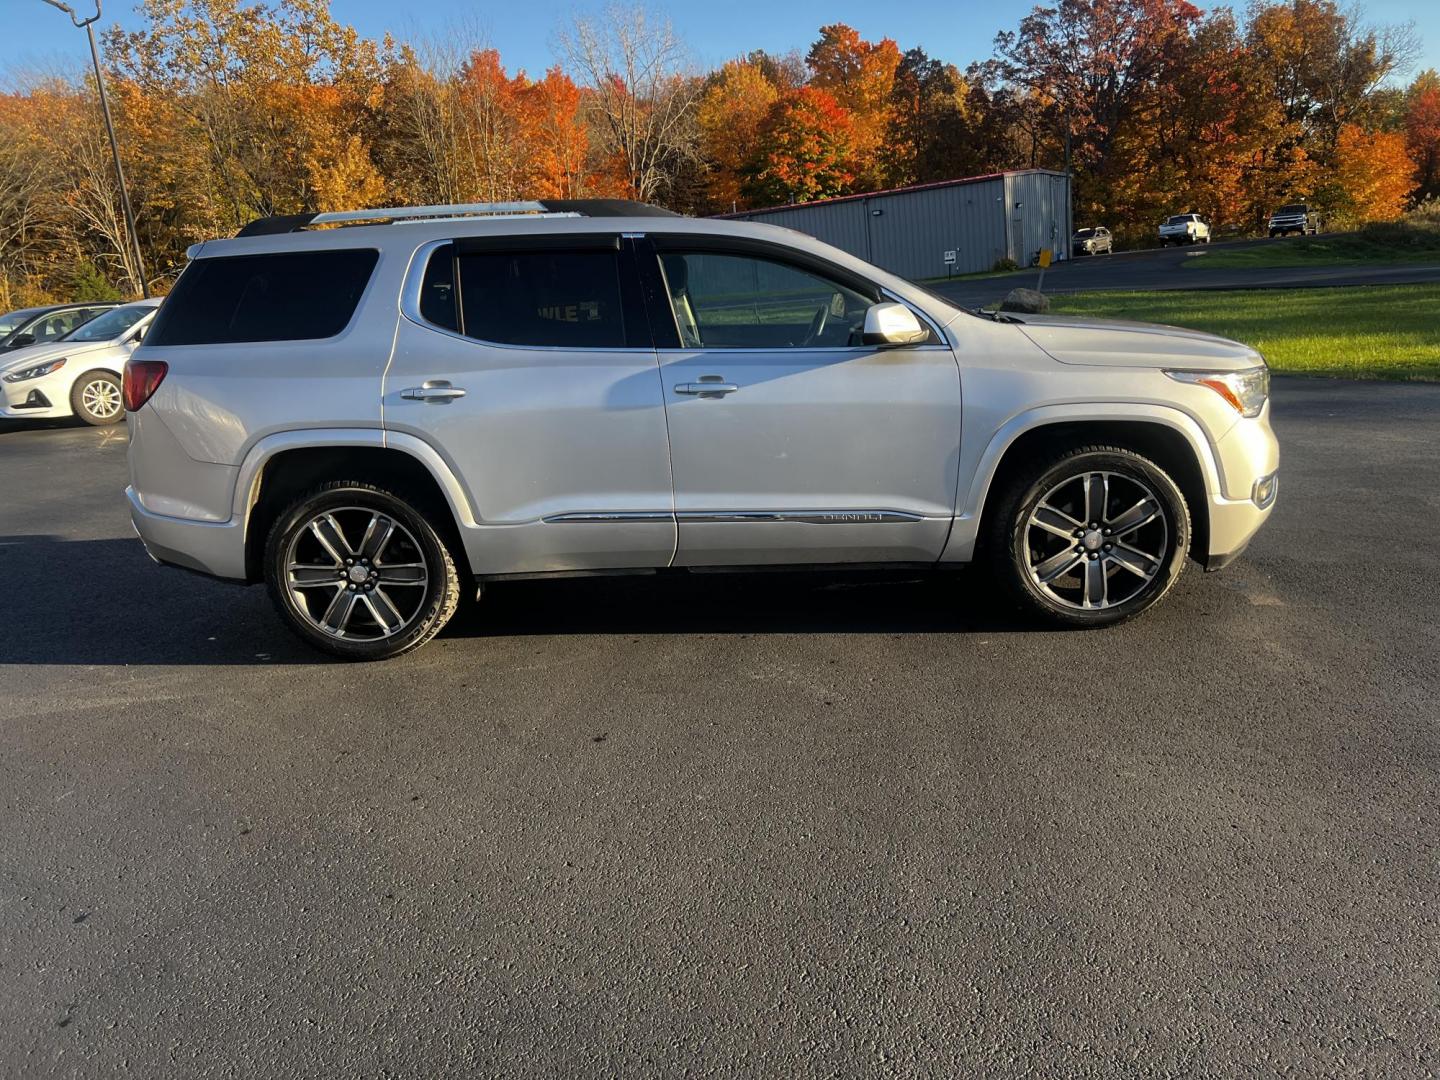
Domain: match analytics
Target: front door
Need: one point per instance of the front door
(527, 363)
(790, 440)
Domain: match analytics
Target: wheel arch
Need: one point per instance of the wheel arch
(1166, 436)
(280, 468)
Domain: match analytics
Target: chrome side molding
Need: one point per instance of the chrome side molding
(802, 517)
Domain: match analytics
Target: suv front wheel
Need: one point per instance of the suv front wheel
(356, 571)
(1090, 537)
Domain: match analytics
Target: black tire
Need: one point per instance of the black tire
(96, 398)
(420, 543)
(1010, 543)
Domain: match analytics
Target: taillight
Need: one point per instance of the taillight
(142, 378)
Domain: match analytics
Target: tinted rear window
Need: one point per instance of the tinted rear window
(564, 299)
(294, 296)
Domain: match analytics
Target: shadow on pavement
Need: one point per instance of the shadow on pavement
(104, 602)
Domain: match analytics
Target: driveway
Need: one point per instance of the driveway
(784, 826)
(1165, 268)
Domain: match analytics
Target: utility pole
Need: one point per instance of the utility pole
(89, 26)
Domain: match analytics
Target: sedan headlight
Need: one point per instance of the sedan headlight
(1244, 391)
(36, 371)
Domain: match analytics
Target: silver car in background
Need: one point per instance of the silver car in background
(375, 412)
(78, 374)
(1092, 241)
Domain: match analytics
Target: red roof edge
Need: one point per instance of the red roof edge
(932, 185)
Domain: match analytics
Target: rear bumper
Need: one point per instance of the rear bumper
(216, 548)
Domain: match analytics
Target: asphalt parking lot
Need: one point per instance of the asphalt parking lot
(1169, 268)
(781, 826)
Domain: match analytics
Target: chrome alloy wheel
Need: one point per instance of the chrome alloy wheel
(1096, 540)
(356, 573)
(101, 399)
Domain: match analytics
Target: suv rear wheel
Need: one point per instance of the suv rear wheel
(358, 572)
(1090, 537)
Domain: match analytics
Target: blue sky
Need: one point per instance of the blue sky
(33, 35)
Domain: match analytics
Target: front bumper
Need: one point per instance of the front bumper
(216, 548)
(34, 399)
(1233, 523)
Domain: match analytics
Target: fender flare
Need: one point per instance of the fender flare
(967, 518)
(247, 481)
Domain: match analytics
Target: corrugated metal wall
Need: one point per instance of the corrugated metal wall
(908, 232)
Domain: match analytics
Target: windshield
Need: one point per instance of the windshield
(110, 325)
(10, 321)
(1293, 208)
(1081, 233)
(1179, 219)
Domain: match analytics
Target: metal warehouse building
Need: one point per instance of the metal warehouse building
(953, 226)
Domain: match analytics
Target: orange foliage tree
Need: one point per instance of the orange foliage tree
(805, 150)
(1373, 175)
(1422, 131)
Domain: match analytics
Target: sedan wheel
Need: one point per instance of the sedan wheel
(96, 399)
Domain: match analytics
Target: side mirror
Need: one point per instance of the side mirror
(892, 324)
(138, 336)
(21, 340)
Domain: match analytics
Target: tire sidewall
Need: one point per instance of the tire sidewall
(436, 607)
(1177, 526)
(77, 405)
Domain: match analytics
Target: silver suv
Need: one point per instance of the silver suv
(376, 412)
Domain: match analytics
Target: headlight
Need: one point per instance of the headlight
(36, 371)
(1244, 391)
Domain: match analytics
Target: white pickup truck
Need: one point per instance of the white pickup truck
(1184, 229)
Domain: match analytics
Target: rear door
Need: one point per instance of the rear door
(527, 363)
(791, 441)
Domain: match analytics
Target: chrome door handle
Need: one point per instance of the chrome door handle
(719, 389)
(434, 390)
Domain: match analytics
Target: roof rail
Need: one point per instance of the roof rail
(286, 223)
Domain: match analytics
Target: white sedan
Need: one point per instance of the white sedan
(78, 375)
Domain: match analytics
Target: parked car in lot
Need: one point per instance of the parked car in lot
(79, 375)
(1091, 241)
(372, 412)
(1294, 218)
(1185, 229)
(39, 325)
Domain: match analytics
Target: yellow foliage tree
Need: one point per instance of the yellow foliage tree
(1373, 174)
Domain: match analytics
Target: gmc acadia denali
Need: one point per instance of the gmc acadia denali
(375, 411)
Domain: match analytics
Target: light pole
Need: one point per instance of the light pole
(88, 24)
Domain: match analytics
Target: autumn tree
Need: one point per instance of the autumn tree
(1422, 131)
(642, 101)
(553, 127)
(734, 108)
(805, 150)
(1373, 175)
(930, 133)
(859, 76)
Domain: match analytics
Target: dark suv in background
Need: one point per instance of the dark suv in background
(1296, 218)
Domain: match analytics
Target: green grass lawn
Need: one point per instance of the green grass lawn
(1366, 332)
(1375, 245)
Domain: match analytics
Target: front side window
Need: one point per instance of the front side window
(560, 299)
(289, 296)
(56, 326)
(723, 301)
(112, 324)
